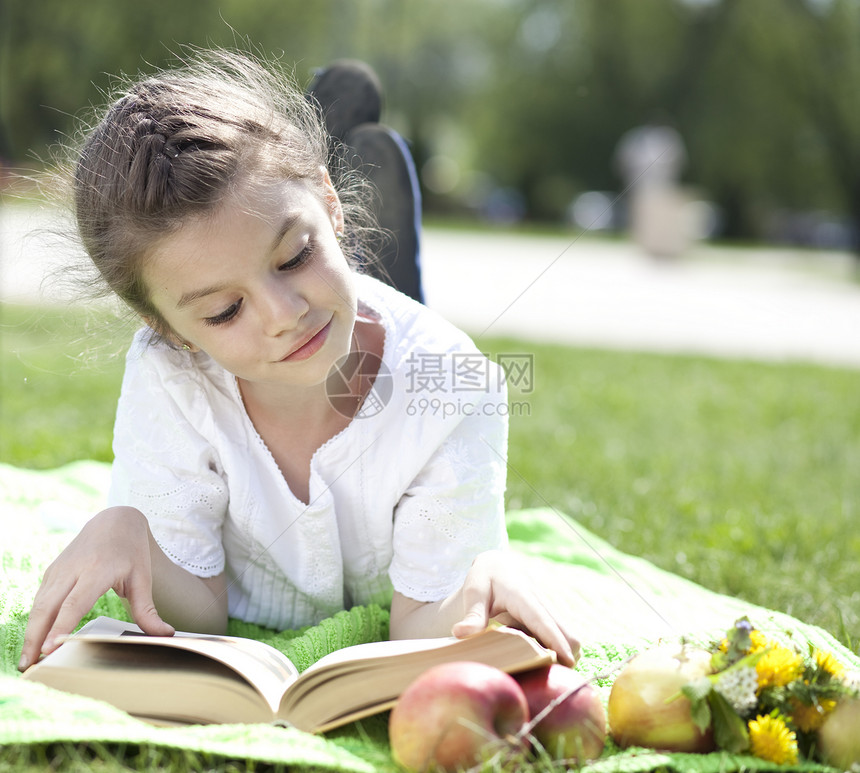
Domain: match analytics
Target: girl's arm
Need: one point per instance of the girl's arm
(493, 589)
(116, 549)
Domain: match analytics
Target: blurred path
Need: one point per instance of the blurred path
(766, 304)
(758, 303)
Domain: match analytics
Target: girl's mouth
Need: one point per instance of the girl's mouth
(310, 347)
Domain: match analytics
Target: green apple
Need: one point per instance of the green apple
(838, 738)
(646, 707)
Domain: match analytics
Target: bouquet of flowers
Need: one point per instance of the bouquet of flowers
(768, 699)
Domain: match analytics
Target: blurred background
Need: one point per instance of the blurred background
(522, 110)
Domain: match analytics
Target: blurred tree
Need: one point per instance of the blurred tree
(57, 58)
(529, 95)
(572, 78)
(764, 94)
(773, 118)
(824, 82)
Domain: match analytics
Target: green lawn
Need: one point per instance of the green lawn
(59, 382)
(741, 476)
(744, 477)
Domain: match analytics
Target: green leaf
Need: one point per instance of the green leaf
(697, 693)
(697, 690)
(730, 731)
(720, 661)
(701, 715)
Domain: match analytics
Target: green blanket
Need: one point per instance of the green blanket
(620, 604)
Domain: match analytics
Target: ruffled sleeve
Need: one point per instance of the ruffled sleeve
(454, 508)
(163, 465)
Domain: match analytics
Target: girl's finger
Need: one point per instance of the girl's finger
(79, 600)
(477, 600)
(543, 626)
(475, 620)
(143, 610)
(43, 615)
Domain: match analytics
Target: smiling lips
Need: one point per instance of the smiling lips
(309, 347)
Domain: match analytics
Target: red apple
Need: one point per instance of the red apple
(452, 713)
(645, 705)
(838, 740)
(575, 728)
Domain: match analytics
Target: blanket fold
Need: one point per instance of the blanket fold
(620, 603)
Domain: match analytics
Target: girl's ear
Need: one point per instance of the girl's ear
(332, 201)
(170, 336)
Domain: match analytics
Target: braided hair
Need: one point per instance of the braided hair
(174, 145)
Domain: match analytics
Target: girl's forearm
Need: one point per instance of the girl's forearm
(186, 601)
(496, 588)
(411, 619)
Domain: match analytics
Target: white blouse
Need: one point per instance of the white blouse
(405, 496)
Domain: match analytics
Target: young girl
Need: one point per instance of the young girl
(240, 486)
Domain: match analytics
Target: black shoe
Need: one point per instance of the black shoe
(348, 93)
(381, 155)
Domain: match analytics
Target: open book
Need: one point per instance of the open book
(200, 678)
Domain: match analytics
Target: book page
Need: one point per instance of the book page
(367, 678)
(485, 642)
(263, 667)
(171, 683)
(379, 649)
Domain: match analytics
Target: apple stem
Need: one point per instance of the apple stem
(516, 742)
(535, 720)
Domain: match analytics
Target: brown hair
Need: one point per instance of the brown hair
(174, 144)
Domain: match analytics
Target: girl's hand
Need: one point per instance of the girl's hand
(113, 550)
(495, 589)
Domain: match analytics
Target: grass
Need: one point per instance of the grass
(740, 476)
(105, 758)
(58, 393)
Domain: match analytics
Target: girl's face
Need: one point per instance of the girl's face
(261, 285)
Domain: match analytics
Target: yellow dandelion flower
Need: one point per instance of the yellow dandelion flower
(778, 666)
(771, 740)
(826, 662)
(809, 717)
(759, 641)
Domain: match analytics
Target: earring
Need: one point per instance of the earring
(186, 348)
(339, 236)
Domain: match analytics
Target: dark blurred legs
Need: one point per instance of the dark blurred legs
(349, 95)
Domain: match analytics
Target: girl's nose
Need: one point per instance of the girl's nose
(282, 307)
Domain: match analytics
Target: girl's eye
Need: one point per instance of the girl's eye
(301, 258)
(226, 315)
